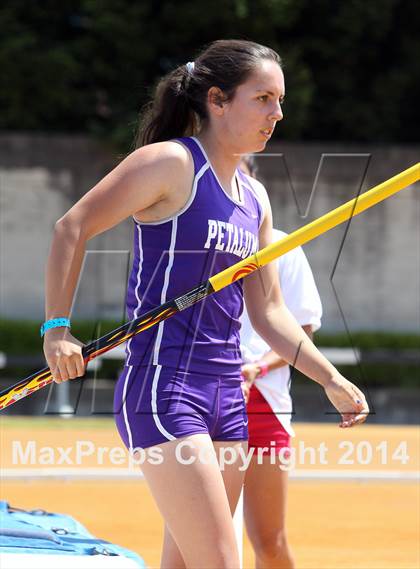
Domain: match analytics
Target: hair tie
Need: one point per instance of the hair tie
(190, 67)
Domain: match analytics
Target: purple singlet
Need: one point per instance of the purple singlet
(191, 358)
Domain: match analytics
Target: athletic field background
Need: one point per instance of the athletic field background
(357, 506)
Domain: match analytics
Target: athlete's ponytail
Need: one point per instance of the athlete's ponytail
(169, 114)
(179, 104)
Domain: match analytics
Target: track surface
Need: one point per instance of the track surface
(332, 524)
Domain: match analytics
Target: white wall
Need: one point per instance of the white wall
(377, 279)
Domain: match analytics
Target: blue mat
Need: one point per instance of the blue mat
(43, 533)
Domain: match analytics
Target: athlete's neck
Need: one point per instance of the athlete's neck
(222, 158)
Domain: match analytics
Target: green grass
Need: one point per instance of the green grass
(369, 340)
(20, 337)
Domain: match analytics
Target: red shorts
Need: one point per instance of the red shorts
(264, 429)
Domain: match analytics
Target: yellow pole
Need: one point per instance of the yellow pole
(317, 227)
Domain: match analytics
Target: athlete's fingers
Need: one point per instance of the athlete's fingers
(62, 368)
(360, 412)
(359, 419)
(363, 409)
(360, 396)
(55, 372)
(71, 368)
(245, 391)
(80, 365)
(351, 421)
(76, 366)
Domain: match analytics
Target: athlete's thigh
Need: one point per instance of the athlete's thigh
(265, 497)
(233, 481)
(191, 496)
(231, 461)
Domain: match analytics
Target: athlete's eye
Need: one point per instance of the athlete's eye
(263, 98)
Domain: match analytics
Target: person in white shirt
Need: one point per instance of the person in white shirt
(269, 406)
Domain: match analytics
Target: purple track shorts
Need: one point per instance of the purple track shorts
(156, 404)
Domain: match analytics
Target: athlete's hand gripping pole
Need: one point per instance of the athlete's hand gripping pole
(301, 236)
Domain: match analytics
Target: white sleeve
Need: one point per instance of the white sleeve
(299, 289)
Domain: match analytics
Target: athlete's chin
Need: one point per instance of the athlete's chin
(255, 146)
(261, 145)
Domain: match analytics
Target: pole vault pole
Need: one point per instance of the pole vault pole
(237, 271)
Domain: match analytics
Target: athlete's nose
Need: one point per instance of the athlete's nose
(277, 113)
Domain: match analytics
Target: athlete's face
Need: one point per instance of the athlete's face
(251, 116)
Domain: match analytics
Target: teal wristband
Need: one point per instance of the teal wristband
(54, 323)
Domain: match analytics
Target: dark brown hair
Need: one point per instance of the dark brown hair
(179, 102)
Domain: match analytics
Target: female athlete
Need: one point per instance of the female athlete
(180, 392)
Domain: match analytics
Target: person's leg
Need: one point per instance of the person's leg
(233, 481)
(171, 557)
(265, 512)
(233, 478)
(193, 502)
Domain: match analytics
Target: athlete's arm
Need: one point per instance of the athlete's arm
(148, 176)
(251, 371)
(272, 320)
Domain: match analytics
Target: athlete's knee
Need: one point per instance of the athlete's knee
(226, 555)
(272, 546)
(217, 559)
(220, 554)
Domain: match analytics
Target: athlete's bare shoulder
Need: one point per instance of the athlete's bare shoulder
(150, 183)
(169, 167)
(161, 151)
(170, 160)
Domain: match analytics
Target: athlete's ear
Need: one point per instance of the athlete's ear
(216, 100)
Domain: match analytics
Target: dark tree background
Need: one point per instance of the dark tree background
(352, 67)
